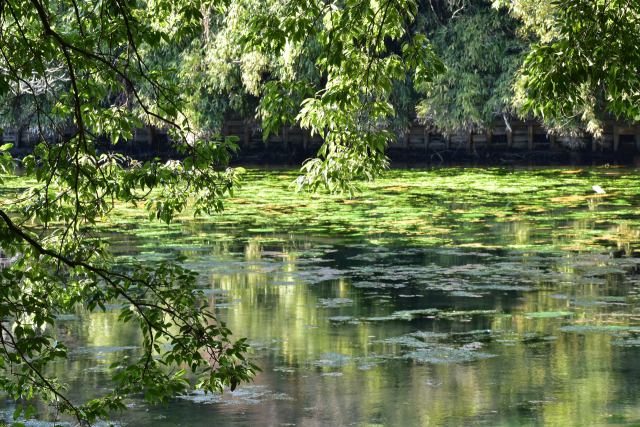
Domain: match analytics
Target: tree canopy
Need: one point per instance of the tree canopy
(584, 66)
(481, 53)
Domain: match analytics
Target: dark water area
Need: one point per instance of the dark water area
(434, 297)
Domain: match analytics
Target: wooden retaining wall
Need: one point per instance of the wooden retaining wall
(522, 136)
(294, 142)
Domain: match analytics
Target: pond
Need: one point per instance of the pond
(454, 296)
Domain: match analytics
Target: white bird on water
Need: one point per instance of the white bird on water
(598, 189)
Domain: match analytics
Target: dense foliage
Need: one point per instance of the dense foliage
(584, 67)
(569, 63)
(332, 68)
(467, 86)
(481, 52)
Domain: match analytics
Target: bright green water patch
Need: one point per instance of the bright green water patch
(457, 207)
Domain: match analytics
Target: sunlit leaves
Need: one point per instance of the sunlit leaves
(6, 161)
(588, 68)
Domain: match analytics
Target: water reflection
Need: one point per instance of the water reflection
(509, 317)
(319, 371)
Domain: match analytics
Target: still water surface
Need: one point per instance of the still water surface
(443, 297)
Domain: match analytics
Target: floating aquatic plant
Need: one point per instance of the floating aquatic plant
(548, 314)
(334, 302)
(445, 355)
